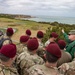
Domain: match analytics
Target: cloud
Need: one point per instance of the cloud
(30, 6)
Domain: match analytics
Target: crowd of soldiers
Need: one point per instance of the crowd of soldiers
(31, 57)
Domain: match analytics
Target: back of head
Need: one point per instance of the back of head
(32, 44)
(40, 34)
(62, 44)
(53, 53)
(8, 51)
(28, 32)
(9, 32)
(24, 39)
(54, 34)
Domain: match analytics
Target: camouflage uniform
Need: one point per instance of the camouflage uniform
(21, 48)
(25, 60)
(68, 68)
(47, 43)
(4, 70)
(41, 45)
(66, 57)
(40, 50)
(43, 70)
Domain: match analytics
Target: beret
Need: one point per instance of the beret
(8, 50)
(24, 38)
(62, 44)
(10, 30)
(28, 32)
(32, 44)
(40, 34)
(55, 35)
(54, 49)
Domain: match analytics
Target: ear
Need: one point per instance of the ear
(45, 56)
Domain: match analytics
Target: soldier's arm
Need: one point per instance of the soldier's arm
(65, 36)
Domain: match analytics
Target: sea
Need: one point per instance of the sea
(59, 19)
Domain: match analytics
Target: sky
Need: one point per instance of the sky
(39, 7)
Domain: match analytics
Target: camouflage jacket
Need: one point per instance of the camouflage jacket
(4, 70)
(43, 70)
(68, 68)
(25, 60)
(21, 48)
(40, 44)
(47, 43)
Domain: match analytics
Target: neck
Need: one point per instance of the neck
(9, 64)
(50, 64)
(51, 40)
(39, 40)
(32, 52)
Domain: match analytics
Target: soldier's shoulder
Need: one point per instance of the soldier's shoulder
(36, 70)
(7, 70)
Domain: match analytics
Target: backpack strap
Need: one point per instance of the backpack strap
(4, 39)
(10, 41)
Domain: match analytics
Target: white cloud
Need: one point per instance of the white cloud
(30, 6)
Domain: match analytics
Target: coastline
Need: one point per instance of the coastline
(64, 20)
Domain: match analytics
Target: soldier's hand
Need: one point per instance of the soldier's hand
(63, 31)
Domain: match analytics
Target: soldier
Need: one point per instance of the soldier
(7, 56)
(49, 68)
(40, 35)
(53, 36)
(70, 38)
(29, 58)
(22, 46)
(40, 50)
(7, 38)
(65, 57)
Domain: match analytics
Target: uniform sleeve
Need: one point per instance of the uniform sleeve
(66, 37)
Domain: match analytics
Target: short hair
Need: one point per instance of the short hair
(38, 36)
(4, 58)
(51, 58)
(50, 36)
(8, 34)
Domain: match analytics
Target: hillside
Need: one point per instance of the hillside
(14, 16)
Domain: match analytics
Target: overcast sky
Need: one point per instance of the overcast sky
(39, 7)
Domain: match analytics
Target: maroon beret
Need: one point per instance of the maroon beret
(28, 32)
(32, 44)
(62, 44)
(55, 35)
(40, 34)
(8, 50)
(24, 38)
(10, 30)
(54, 49)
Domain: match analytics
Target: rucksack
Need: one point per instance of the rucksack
(4, 39)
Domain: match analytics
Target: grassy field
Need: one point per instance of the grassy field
(21, 26)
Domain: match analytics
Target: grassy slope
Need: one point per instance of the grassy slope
(21, 26)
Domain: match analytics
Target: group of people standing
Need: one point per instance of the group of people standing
(31, 57)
